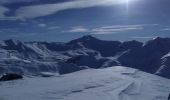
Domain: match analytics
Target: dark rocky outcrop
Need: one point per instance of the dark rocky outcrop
(10, 76)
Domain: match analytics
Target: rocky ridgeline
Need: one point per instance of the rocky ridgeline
(33, 58)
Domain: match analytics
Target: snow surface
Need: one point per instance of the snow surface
(115, 83)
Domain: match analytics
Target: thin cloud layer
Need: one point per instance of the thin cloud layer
(34, 11)
(15, 1)
(116, 29)
(3, 10)
(166, 29)
(78, 29)
(106, 29)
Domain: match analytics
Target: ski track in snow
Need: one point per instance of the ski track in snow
(117, 83)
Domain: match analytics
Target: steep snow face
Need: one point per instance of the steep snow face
(148, 57)
(92, 59)
(42, 59)
(130, 45)
(164, 70)
(115, 83)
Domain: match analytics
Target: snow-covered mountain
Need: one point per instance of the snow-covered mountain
(114, 83)
(33, 58)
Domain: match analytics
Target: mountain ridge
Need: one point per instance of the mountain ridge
(35, 57)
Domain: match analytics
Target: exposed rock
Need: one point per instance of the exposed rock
(10, 76)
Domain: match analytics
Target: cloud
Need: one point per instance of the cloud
(113, 29)
(53, 28)
(78, 29)
(144, 37)
(42, 25)
(40, 10)
(4, 10)
(35, 11)
(116, 29)
(166, 29)
(15, 1)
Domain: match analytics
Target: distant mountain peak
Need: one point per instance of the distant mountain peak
(12, 42)
(86, 38)
(158, 39)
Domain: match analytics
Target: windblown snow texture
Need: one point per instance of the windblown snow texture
(114, 83)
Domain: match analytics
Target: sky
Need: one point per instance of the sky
(64, 20)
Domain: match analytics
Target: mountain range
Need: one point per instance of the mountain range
(34, 58)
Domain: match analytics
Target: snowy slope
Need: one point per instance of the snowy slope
(164, 70)
(115, 83)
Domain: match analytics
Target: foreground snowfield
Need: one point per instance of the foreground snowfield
(115, 83)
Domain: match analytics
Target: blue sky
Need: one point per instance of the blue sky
(63, 20)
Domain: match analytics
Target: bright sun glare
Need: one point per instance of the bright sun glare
(121, 1)
(126, 1)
